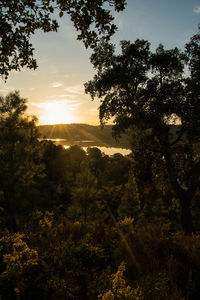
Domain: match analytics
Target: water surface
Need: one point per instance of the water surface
(107, 150)
(89, 143)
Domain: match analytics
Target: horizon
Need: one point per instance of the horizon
(75, 123)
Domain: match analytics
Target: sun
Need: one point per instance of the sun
(57, 113)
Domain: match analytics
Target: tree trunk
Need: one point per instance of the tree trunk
(10, 209)
(186, 217)
(185, 196)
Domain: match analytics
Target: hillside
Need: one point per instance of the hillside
(83, 135)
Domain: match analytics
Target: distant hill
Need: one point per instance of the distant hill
(83, 135)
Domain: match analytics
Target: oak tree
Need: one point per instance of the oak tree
(150, 92)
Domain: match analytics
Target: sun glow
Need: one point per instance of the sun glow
(57, 113)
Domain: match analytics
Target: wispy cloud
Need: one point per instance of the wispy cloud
(74, 106)
(196, 10)
(61, 96)
(35, 104)
(75, 89)
(55, 84)
(66, 96)
(70, 104)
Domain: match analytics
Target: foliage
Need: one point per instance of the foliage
(84, 225)
(20, 20)
(55, 258)
(120, 289)
(149, 94)
(20, 157)
(19, 261)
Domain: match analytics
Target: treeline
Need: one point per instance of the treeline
(84, 225)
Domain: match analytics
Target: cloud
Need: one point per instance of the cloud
(66, 96)
(75, 89)
(74, 106)
(196, 10)
(62, 96)
(70, 104)
(55, 84)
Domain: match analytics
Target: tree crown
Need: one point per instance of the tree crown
(20, 19)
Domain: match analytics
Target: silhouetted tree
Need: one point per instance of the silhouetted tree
(54, 186)
(149, 91)
(117, 170)
(19, 155)
(96, 161)
(76, 157)
(20, 19)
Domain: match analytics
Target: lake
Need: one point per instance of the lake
(104, 149)
(108, 150)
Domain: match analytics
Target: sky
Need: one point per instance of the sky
(55, 91)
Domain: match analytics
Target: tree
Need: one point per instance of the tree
(19, 156)
(150, 92)
(20, 19)
(96, 161)
(76, 157)
(117, 170)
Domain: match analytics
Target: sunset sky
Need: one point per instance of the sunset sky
(55, 90)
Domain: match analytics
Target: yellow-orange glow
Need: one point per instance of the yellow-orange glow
(57, 113)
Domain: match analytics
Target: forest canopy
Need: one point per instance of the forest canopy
(69, 217)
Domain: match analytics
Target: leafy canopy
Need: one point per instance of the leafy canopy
(145, 89)
(149, 92)
(20, 19)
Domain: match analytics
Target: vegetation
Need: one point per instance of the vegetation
(147, 93)
(78, 224)
(20, 19)
(84, 225)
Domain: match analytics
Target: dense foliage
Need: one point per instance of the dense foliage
(20, 19)
(148, 93)
(84, 225)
